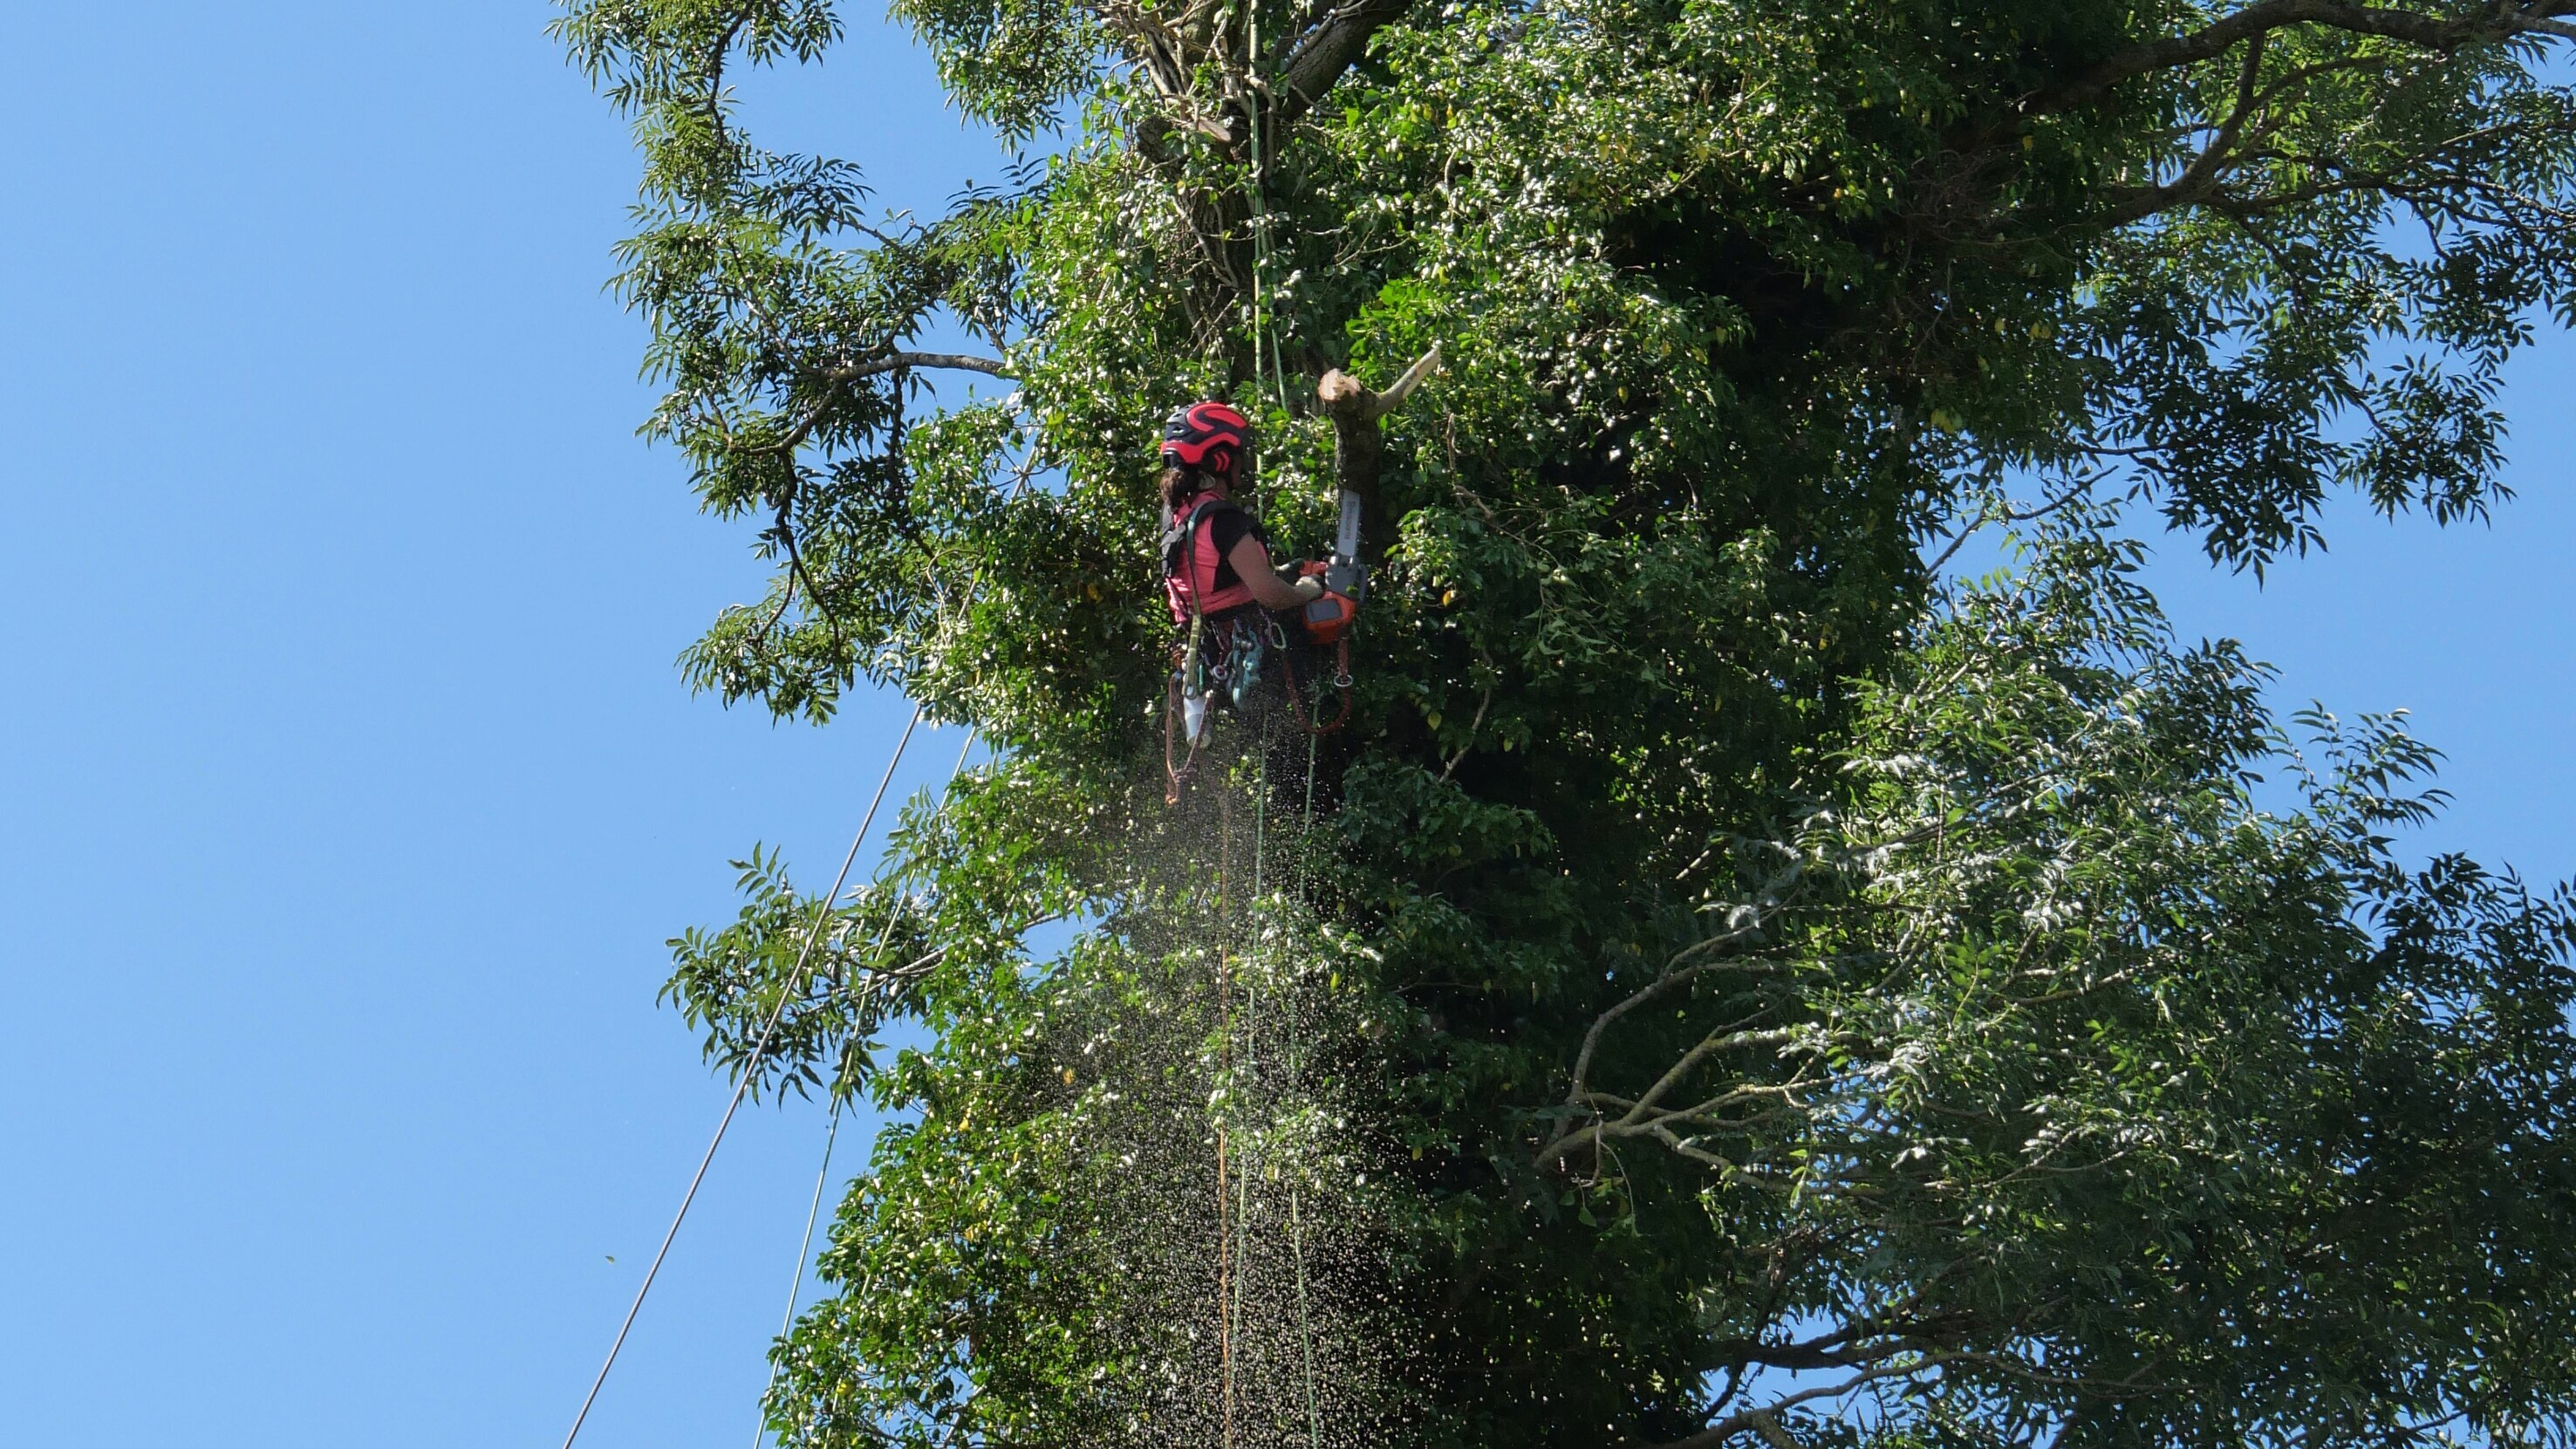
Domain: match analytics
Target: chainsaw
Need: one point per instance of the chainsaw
(1345, 580)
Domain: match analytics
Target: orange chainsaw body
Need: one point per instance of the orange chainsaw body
(1326, 618)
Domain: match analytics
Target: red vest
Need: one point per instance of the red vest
(1190, 560)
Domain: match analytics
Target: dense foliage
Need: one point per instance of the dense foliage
(1769, 996)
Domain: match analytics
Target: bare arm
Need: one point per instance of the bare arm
(1252, 562)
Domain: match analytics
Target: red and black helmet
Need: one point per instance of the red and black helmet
(1207, 435)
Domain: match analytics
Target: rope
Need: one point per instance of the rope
(1261, 267)
(1242, 1251)
(760, 1048)
(1313, 742)
(1233, 1178)
(1225, 1264)
(742, 1084)
(1247, 1065)
(1297, 1070)
(1297, 705)
(804, 1253)
(1297, 1249)
(831, 1134)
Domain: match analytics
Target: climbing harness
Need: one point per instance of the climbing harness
(1230, 639)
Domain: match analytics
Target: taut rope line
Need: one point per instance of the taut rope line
(760, 1048)
(742, 1084)
(831, 1134)
(804, 1251)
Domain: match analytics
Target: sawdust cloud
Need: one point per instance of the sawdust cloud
(1231, 1182)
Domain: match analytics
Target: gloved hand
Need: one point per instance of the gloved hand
(1309, 589)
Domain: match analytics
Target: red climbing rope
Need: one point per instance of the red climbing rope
(1341, 684)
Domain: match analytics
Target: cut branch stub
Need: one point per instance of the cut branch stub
(1358, 446)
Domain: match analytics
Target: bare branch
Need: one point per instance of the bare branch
(1345, 398)
(1671, 976)
(1751, 1420)
(1393, 398)
(2217, 38)
(897, 361)
(1330, 49)
(1643, 1119)
(1483, 702)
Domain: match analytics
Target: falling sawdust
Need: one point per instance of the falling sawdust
(1228, 1166)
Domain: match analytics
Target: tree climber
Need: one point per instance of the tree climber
(1220, 582)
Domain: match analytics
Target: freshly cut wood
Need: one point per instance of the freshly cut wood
(1358, 446)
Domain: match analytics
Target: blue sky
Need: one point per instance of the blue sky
(350, 789)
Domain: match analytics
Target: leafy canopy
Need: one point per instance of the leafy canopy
(1769, 996)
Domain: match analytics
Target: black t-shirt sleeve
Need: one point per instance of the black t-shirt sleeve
(1228, 526)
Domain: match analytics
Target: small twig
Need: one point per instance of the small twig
(1473, 726)
(796, 570)
(1991, 514)
(786, 596)
(878, 367)
(715, 79)
(1751, 1419)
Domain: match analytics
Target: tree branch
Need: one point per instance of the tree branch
(895, 361)
(2217, 38)
(1681, 969)
(2205, 168)
(1990, 513)
(1357, 444)
(796, 570)
(1643, 1118)
(1328, 50)
(1754, 1420)
(878, 367)
(1872, 1339)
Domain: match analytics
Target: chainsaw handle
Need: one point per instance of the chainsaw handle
(1328, 617)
